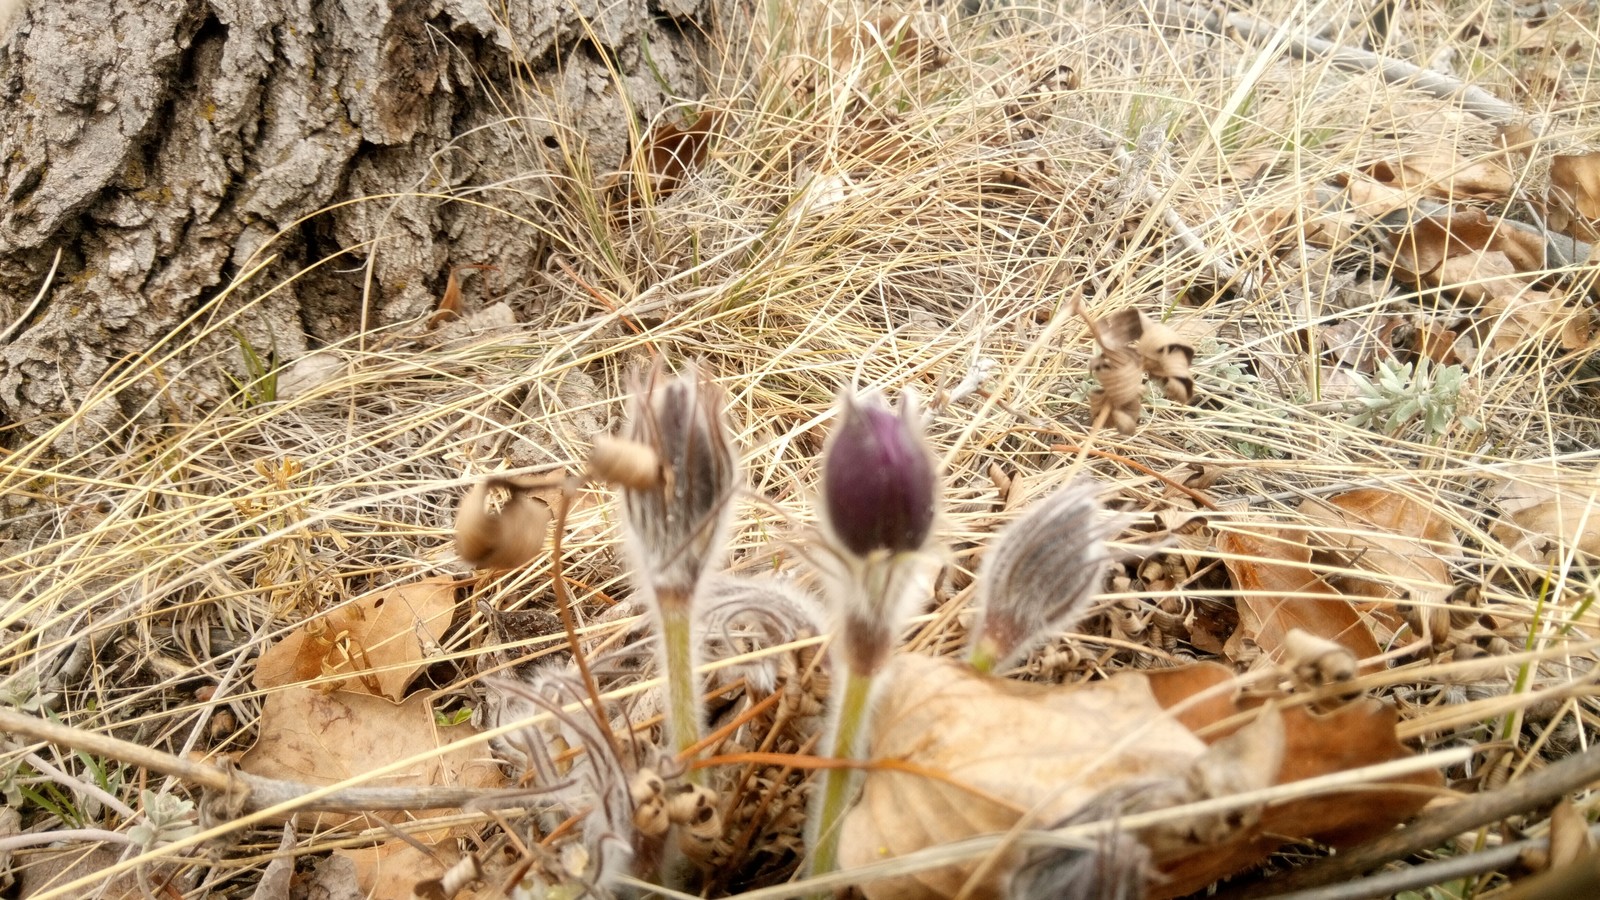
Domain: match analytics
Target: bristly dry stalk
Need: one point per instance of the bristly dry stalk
(879, 503)
(1039, 576)
(677, 522)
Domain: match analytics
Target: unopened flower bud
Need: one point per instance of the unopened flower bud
(1039, 575)
(878, 480)
(678, 522)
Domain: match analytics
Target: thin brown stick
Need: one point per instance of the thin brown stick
(255, 792)
(1473, 99)
(570, 623)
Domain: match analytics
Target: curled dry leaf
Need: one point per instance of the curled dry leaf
(664, 159)
(501, 526)
(1398, 539)
(1423, 248)
(962, 768)
(1545, 506)
(1444, 173)
(321, 739)
(372, 645)
(1280, 592)
(1576, 179)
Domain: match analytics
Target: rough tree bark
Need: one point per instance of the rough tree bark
(165, 146)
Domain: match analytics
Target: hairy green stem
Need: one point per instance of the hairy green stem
(848, 743)
(683, 698)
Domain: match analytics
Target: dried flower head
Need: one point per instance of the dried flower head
(678, 523)
(1040, 575)
(500, 526)
(878, 482)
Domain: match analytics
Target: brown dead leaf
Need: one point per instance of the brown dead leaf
(451, 304)
(939, 718)
(370, 645)
(1371, 201)
(1399, 540)
(1279, 592)
(1464, 235)
(1444, 173)
(942, 717)
(887, 39)
(1350, 737)
(1577, 177)
(397, 869)
(664, 159)
(1529, 318)
(1575, 190)
(321, 739)
(1545, 507)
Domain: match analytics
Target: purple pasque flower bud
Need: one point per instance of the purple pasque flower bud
(879, 488)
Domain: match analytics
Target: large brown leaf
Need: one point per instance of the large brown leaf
(320, 739)
(1280, 592)
(371, 645)
(961, 754)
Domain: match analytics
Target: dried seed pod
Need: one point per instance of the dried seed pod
(693, 808)
(879, 488)
(1315, 662)
(629, 464)
(1040, 575)
(1431, 622)
(650, 813)
(499, 526)
(1167, 358)
(1116, 366)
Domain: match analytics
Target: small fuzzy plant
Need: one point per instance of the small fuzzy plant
(676, 513)
(1039, 576)
(879, 503)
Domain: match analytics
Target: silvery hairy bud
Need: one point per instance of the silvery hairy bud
(677, 498)
(1039, 576)
(677, 521)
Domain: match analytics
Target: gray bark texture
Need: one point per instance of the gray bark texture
(164, 147)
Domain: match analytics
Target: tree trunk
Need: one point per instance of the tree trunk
(165, 148)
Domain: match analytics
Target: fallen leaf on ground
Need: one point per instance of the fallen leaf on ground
(961, 768)
(1280, 592)
(1576, 180)
(370, 645)
(1444, 173)
(1543, 507)
(664, 159)
(320, 739)
(1397, 538)
(397, 869)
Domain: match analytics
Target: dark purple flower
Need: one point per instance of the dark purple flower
(878, 482)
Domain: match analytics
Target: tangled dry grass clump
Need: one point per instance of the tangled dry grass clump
(1363, 247)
